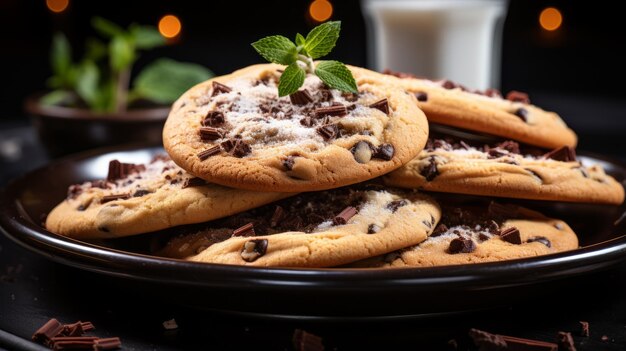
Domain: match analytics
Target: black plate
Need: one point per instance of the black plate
(312, 293)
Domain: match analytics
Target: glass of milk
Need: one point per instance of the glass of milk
(453, 39)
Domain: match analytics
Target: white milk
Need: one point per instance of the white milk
(453, 39)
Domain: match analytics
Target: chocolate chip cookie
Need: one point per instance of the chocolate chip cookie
(234, 130)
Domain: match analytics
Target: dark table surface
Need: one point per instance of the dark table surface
(33, 289)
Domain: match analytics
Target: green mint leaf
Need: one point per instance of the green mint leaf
(291, 80)
(336, 75)
(277, 49)
(87, 80)
(60, 55)
(165, 80)
(106, 28)
(321, 39)
(300, 41)
(146, 37)
(121, 52)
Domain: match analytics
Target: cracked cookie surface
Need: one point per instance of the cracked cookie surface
(234, 130)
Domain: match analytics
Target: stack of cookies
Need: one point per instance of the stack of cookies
(322, 178)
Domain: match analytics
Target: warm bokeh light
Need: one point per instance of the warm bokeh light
(320, 10)
(169, 26)
(550, 18)
(57, 6)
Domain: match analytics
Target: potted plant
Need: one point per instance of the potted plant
(93, 102)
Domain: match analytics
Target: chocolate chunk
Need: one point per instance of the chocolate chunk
(511, 235)
(393, 206)
(439, 230)
(219, 88)
(335, 110)
(362, 151)
(210, 133)
(584, 328)
(565, 341)
(304, 341)
(289, 162)
(564, 154)
(487, 341)
(382, 105)
(373, 229)
(518, 96)
(421, 96)
(246, 230)
(461, 245)
(141, 192)
(448, 84)
(301, 97)
(119, 170)
(540, 239)
(328, 131)
(114, 197)
(351, 107)
(192, 182)
(430, 171)
(253, 249)
(107, 344)
(278, 216)
(499, 210)
(203, 155)
(344, 216)
(522, 113)
(384, 152)
(49, 330)
(213, 119)
(483, 237)
(236, 147)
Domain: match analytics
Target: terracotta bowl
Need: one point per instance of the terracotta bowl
(65, 130)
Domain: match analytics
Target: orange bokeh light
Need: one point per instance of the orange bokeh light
(550, 18)
(320, 10)
(57, 6)
(169, 26)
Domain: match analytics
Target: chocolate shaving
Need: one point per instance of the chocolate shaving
(540, 239)
(49, 330)
(564, 154)
(246, 230)
(203, 155)
(210, 133)
(518, 96)
(511, 235)
(335, 110)
(118, 170)
(301, 97)
(461, 245)
(253, 249)
(381, 105)
(584, 328)
(344, 216)
(213, 119)
(328, 131)
(430, 172)
(522, 113)
(565, 341)
(307, 121)
(193, 182)
(107, 344)
(305, 341)
(384, 152)
(278, 216)
(219, 88)
(114, 197)
(236, 147)
(421, 96)
(393, 206)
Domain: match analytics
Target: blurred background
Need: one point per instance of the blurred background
(569, 59)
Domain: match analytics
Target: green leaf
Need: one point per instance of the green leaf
(336, 75)
(87, 82)
(60, 55)
(106, 28)
(56, 98)
(95, 49)
(165, 80)
(321, 39)
(300, 41)
(291, 80)
(122, 53)
(146, 37)
(277, 49)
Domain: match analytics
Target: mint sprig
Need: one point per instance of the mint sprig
(298, 57)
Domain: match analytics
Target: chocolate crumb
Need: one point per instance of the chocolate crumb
(421, 96)
(430, 171)
(119, 170)
(74, 191)
(328, 131)
(384, 152)
(301, 97)
(219, 88)
(253, 249)
(192, 182)
(344, 216)
(114, 197)
(289, 162)
(107, 344)
(305, 341)
(203, 155)
(511, 235)
(278, 216)
(307, 121)
(393, 206)
(141, 192)
(246, 230)
(522, 113)
(335, 110)
(540, 239)
(373, 229)
(381, 105)
(584, 328)
(213, 119)
(236, 147)
(565, 341)
(210, 133)
(564, 154)
(518, 96)
(461, 245)
(439, 230)
(483, 237)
